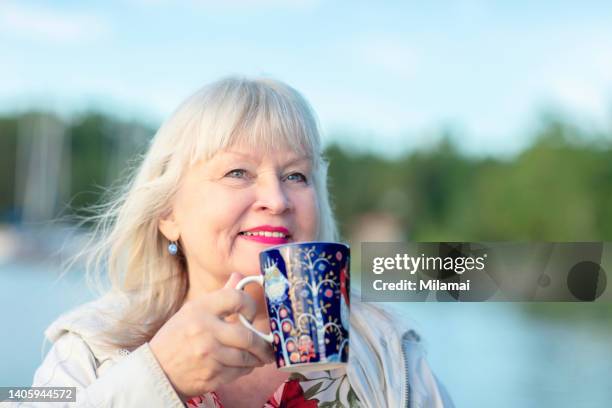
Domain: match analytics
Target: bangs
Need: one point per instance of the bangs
(260, 114)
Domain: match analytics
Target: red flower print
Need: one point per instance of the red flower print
(291, 395)
(195, 402)
(205, 401)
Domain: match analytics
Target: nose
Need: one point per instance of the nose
(272, 196)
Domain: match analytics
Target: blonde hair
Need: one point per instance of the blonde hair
(126, 246)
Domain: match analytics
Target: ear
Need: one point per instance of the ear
(169, 227)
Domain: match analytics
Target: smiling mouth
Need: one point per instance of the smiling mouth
(266, 234)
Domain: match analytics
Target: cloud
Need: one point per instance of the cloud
(51, 26)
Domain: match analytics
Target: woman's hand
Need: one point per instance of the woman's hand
(198, 350)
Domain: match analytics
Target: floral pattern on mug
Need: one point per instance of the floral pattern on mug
(307, 290)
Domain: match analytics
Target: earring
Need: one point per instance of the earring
(172, 248)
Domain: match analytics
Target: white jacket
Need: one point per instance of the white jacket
(387, 367)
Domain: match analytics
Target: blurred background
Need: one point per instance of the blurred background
(448, 120)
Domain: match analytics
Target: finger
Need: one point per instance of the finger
(230, 374)
(227, 301)
(233, 280)
(234, 357)
(237, 336)
(231, 283)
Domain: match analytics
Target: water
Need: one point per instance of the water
(31, 297)
(487, 354)
(496, 355)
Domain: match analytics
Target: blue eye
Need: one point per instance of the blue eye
(298, 177)
(236, 173)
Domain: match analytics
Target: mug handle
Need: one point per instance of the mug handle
(257, 279)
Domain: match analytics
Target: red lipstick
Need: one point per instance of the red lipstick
(267, 234)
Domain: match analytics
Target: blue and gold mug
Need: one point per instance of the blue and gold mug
(306, 286)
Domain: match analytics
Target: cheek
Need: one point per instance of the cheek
(210, 223)
(223, 213)
(307, 215)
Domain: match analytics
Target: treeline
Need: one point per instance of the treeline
(559, 188)
(93, 150)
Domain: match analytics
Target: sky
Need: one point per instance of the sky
(383, 76)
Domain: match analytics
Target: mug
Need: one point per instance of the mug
(306, 286)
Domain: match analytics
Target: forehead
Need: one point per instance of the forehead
(284, 156)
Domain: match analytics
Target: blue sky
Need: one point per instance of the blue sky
(390, 74)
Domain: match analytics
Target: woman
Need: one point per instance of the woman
(236, 158)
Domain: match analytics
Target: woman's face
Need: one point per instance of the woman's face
(238, 203)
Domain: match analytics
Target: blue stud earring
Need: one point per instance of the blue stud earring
(172, 248)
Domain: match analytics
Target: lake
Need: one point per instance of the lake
(487, 354)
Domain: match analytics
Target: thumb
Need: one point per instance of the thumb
(233, 280)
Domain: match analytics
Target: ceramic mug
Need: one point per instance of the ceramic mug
(306, 286)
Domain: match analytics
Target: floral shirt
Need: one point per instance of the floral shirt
(321, 389)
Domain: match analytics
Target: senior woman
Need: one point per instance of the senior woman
(237, 156)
